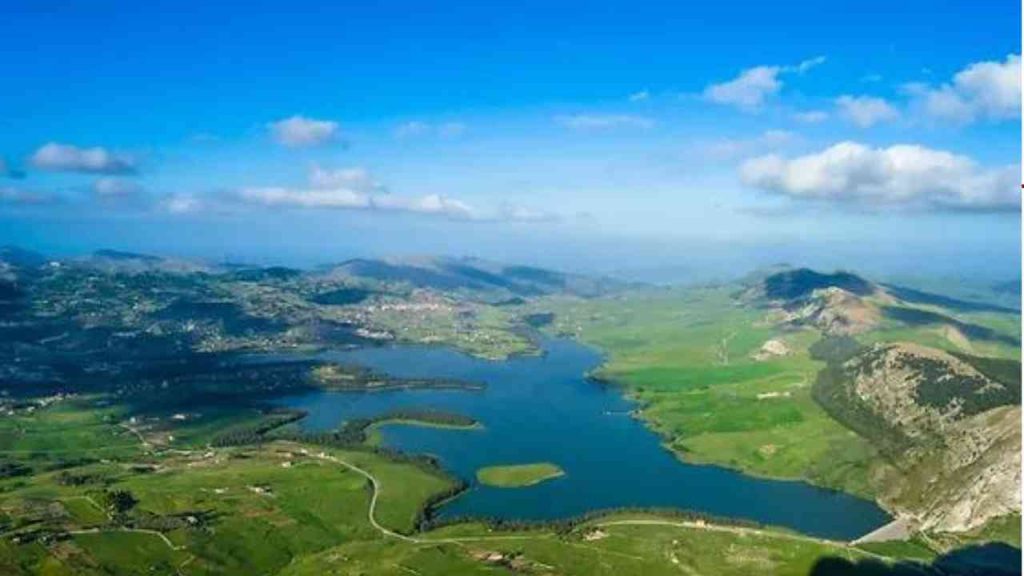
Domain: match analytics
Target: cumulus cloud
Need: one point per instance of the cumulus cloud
(113, 188)
(865, 111)
(300, 132)
(67, 158)
(415, 128)
(983, 90)
(901, 175)
(350, 189)
(305, 198)
(347, 199)
(753, 86)
(430, 204)
(587, 122)
(356, 189)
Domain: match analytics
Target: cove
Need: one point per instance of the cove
(545, 409)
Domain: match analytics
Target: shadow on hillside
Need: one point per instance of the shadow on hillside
(983, 560)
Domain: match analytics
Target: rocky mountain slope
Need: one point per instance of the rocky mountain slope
(843, 303)
(948, 425)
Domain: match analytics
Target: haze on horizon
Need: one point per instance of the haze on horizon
(655, 140)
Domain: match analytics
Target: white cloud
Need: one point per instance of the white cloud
(603, 121)
(305, 198)
(901, 175)
(808, 64)
(181, 204)
(865, 111)
(347, 199)
(356, 189)
(811, 116)
(350, 189)
(67, 158)
(430, 204)
(983, 90)
(753, 86)
(298, 131)
(112, 188)
(641, 96)
(748, 90)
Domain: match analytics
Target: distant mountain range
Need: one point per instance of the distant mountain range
(845, 303)
(471, 276)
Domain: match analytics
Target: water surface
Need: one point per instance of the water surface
(543, 408)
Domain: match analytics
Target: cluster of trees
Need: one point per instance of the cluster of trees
(257, 433)
(119, 501)
(539, 319)
(12, 469)
(424, 415)
(194, 519)
(425, 514)
(66, 478)
(568, 525)
(835, 349)
(939, 385)
(833, 391)
(353, 432)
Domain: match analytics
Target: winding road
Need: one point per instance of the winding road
(687, 524)
(371, 513)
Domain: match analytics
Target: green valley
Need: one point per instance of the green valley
(142, 427)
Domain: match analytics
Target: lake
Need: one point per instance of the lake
(544, 408)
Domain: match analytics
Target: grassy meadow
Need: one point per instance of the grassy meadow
(295, 509)
(518, 475)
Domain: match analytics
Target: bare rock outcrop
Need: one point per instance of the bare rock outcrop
(959, 451)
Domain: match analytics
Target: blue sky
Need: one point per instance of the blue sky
(595, 135)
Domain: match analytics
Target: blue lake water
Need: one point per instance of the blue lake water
(543, 408)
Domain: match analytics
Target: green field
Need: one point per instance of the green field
(94, 484)
(292, 508)
(518, 475)
(687, 356)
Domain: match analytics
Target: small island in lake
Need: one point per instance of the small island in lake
(519, 475)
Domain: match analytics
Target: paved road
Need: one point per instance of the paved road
(898, 529)
(371, 513)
